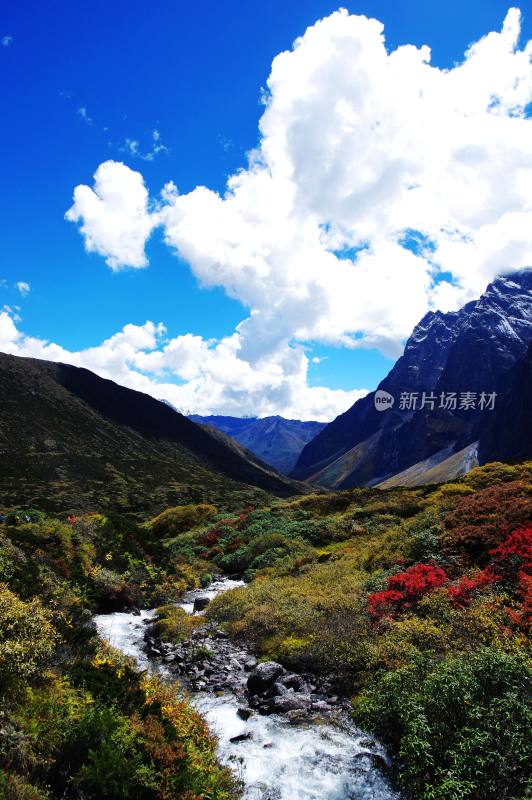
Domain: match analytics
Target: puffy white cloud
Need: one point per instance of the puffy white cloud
(361, 151)
(8, 331)
(114, 216)
(195, 375)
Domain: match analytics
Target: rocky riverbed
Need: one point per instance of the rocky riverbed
(287, 735)
(210, 662)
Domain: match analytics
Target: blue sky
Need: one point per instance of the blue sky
(81, 80)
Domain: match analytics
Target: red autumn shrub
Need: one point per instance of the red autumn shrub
(522, 617)
(482, 521)
(462, 593)
(210, 537)
(511, 561)
(382, 604)
(515, 554)
(405, 588)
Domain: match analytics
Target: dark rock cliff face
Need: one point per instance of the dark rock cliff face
(276, 440)
(509, 437)
(471, 350)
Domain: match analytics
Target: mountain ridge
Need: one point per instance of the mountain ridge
(71, 438)
(274, 439)
(473, 349)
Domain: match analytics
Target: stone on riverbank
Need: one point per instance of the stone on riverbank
(264, 676)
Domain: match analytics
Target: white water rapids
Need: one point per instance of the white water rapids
(280, 761)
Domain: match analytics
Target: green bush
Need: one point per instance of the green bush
(27, 638)
(176, 520)
(173, 624)
(461, 727)
(106, 732)
(106, 758)
(13, 787)
(113, 591)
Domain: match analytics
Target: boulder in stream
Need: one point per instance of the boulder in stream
(290, 702)
(201, 602)
(242, 737)
(264, 676)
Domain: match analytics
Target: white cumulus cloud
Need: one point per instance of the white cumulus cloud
(362, 152)
(114, 216)
(195, 375)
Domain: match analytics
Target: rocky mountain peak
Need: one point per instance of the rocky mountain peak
(470, 350)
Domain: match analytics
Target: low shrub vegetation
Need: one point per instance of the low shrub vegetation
(417, 603)
(76, 719)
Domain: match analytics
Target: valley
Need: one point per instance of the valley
(181, 621)
(266, 400)
(372, 611)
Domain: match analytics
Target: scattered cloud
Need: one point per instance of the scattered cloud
(12, 312)
(375, 174)
(23, 288)
(226, 143)
(82, 112)
(156, 147)
(6, 41)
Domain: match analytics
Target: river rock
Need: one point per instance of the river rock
(264, 676)
(250, 664)
(366, 743)
(295, 682)
(242, 737)
(289, 702)
(201, 602)
(373, 760)
(244, 713)
(296, 716)
(321, 705)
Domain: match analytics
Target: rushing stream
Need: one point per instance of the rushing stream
(278, 760)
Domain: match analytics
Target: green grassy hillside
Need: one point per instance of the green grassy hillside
(71, 440)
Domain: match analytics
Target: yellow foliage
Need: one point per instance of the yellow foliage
(181, 518)
(27, 636)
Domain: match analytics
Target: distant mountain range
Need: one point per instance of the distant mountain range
(70, 439)
(435, 430)
(276, 440)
